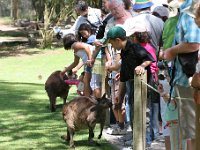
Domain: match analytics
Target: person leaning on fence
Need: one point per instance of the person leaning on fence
(187, 40)
(139, 34)
(135, 59)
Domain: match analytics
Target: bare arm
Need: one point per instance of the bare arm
(141, 68)
(108, 56)
(82, 46)
(170, 53)
(72, 65)
(116, 66)
(75, 69)
(95, 52)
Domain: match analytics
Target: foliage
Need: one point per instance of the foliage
(49, 13)
(25, 120)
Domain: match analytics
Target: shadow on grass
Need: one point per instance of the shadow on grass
(15, 50)
(26, 122)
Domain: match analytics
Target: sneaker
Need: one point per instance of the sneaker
(121, 131)
(114, 125)
(128, 143)
(112, 131)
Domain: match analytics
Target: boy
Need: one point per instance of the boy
(134, 59)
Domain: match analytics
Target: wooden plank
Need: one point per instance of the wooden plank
(139, 123)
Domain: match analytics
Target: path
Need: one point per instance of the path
(9, 28)
(120, 141)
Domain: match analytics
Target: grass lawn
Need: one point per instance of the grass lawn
(25, 120)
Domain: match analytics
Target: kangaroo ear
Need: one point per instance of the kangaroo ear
(104, 95)
(98, 99)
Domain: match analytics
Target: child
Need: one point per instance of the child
(86, 34)
(114, 68)
(83, 51)
(139, 34)
(134, 59)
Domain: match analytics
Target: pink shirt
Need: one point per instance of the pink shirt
(152, 51)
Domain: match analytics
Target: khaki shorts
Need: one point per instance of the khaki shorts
(98, 66)
(114, 90)
(186, 111)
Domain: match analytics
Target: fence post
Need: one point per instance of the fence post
(139, 109)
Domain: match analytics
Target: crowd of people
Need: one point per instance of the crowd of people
(128, 38)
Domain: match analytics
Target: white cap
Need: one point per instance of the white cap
(138, 26)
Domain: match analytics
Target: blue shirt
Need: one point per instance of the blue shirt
(186, 31)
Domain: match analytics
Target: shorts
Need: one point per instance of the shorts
(186, 111)
(163, 106)
(98, 66)
(96, 81)
(87, 69)
(114, 90)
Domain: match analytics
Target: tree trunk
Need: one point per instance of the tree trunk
(14, 9)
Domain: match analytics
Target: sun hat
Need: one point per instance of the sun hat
(116, 32)
(140, 4)
(175, 3)
(162, 11)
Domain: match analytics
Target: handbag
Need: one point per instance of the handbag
(188, 62)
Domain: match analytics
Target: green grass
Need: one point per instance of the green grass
(25, 120)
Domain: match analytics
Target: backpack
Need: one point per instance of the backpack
(101, 29)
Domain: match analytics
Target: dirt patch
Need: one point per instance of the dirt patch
(9, 28)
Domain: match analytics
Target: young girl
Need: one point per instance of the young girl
(87, 35)
(83, 51)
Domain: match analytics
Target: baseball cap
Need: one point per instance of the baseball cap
(138, 26)
(116, 32)
(162, 11)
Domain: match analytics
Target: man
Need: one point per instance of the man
(120, 15)
(187, 40)
(154, 24)
(161, 12)
(87, 14)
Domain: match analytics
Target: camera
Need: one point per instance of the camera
(162, 65)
